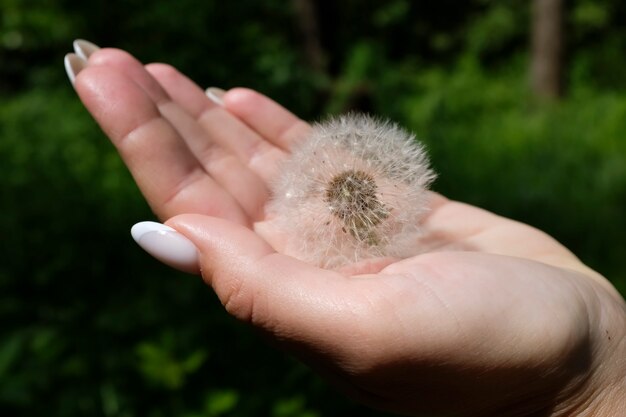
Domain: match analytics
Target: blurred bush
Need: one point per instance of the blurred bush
(91, 325)
(559, 166)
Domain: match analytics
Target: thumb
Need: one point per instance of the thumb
(280, 294)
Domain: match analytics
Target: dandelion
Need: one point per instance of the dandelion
(354, 189)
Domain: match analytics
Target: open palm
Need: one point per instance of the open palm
(496, 318)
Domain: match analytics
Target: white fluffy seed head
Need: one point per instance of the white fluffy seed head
(354, 189)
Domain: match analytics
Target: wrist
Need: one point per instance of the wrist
(605, 392)
(615, 402)
(608, 401)
(611, 399)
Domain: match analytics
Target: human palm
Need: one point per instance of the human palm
(495, 318)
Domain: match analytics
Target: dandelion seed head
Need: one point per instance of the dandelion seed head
(354, 189)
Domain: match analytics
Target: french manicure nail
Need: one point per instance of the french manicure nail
(84, 48)
(73, 65)
(166, 245)
(215, 95)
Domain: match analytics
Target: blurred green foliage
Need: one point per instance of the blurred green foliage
(90, 325)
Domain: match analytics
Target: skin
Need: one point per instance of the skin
(496, 319)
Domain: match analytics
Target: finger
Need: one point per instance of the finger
(227, 170)
(168, 175)
(182, 90)
(265, 116)
(287, 298)
(222, 127)
(127, 64)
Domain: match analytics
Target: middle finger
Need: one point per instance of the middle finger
(259, 155)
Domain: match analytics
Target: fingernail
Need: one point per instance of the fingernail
(166, 245)
(215, 95)
(73, 65)
(84, 48)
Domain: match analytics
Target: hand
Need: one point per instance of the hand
(496, 319)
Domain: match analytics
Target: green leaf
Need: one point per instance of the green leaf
(221, 402)
(9, 352)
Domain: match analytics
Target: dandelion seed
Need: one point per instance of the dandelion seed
(354, 189)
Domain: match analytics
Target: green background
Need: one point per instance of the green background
(91, 325)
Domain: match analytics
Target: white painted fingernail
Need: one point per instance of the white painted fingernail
(73, 65)
(215, 95)
(84, 48)
(167, 245)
